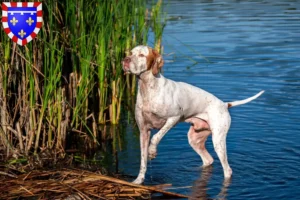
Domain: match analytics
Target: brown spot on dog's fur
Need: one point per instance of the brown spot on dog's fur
(154, 61)
(229, 105)
(150, 59)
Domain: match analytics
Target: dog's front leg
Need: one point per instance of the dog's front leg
(144, 143)
(160, 134)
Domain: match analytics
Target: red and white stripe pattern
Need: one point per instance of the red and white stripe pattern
(39, 22)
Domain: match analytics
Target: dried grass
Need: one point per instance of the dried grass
(73, 184)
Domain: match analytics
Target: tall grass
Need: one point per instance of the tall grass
(69, 79)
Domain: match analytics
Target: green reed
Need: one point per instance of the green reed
(158, 20)
(69, 79)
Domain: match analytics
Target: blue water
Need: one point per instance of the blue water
(233, 49)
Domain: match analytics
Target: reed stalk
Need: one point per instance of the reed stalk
(158, 19)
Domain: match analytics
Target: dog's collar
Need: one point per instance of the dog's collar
(138, 75)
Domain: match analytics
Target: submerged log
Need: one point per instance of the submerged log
(75, 184)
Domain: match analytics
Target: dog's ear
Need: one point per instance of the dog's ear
(158, 62)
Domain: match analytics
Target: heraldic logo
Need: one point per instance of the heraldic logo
(22, 20)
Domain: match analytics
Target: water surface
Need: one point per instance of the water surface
(248, 46)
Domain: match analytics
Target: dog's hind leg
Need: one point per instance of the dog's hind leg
(197, 141)
(219, 124)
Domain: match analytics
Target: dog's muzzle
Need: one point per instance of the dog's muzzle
(126, 64)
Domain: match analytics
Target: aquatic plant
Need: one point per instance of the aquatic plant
(69, 79)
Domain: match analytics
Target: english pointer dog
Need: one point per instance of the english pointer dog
(162, 103)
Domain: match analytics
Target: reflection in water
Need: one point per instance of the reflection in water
(222, 195)
(200, 188)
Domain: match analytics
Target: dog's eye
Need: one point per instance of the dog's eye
(141, 55)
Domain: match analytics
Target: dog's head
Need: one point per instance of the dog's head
(143, 59)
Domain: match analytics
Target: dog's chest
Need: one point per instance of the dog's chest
(153, 115)
(152, 99)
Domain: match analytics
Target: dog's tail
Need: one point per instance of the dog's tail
(236, 103)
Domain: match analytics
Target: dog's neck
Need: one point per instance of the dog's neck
(147, 81)
(147, 77)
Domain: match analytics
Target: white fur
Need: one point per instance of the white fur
(161, 103)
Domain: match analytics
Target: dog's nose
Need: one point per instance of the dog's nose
(127, 60)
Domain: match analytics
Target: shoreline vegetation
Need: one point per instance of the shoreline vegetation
(68, 82)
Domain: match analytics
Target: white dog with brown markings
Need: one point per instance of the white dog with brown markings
(162, 103)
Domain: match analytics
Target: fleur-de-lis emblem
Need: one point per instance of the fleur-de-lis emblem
(14, 21)
(29, 21)
(22, 33)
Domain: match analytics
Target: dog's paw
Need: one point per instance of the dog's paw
(208, 162)
(228, 173)
(138, 181)
(152, 153)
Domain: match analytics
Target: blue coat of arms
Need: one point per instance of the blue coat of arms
(22, 20)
